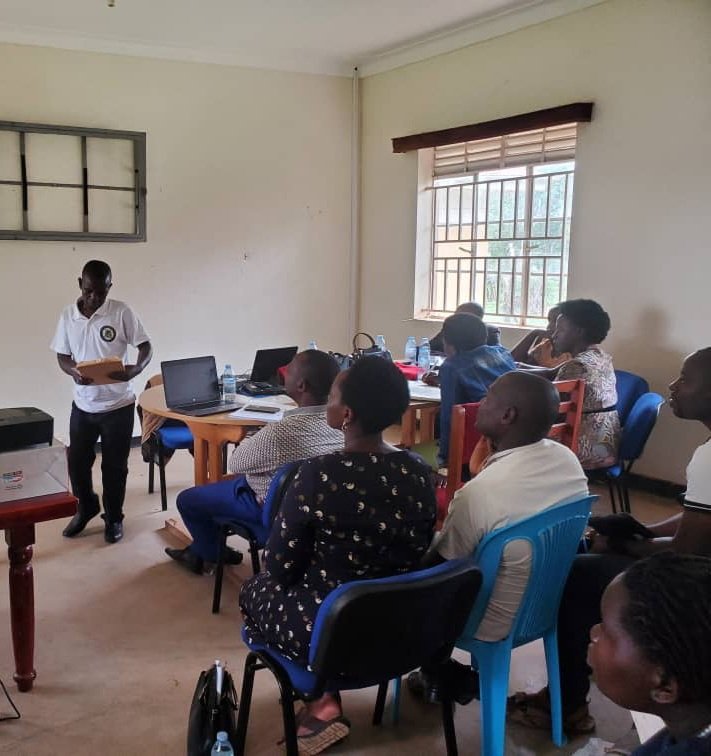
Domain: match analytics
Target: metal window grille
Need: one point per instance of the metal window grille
(502, 211)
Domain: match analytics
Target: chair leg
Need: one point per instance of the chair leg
(161, 476)
(151, 475)
(286, 693)
(550, 642)
(625, 496)
(611, 491)
(494, 667)
(397, 686)
(450, 735)
(251, 665)
(219, 570)
(380, 703)
(254, 553)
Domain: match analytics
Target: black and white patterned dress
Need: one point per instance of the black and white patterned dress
(347, 516)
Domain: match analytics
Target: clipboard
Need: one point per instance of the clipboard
(98, 370)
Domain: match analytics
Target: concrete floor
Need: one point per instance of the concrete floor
(122, 634)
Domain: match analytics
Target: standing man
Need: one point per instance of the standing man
(93, 328)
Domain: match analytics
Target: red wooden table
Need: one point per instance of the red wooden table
(17, 519)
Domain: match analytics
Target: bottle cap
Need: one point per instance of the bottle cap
(222, 736)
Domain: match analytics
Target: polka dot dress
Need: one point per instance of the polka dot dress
(347, 516)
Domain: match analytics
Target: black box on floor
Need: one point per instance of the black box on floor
(24, 426)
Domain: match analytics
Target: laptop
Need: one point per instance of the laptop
(191, 387)
(264, 378)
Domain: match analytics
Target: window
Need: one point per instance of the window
(72, 184)
(494, 215)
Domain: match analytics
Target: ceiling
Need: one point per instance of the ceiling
(318, 36)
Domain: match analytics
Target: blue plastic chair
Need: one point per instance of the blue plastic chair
(367, 632)
(629, 388)
(172, 437)
(635, 432)
(255, 533)
(554, 535)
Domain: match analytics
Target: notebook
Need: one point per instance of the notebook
(191, 387)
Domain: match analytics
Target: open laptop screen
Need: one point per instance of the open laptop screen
(190, 381)
(268, 361)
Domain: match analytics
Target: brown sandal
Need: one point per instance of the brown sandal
(323, 734)
(533, 710)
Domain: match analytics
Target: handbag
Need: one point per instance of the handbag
(373, 350)
(212, 710)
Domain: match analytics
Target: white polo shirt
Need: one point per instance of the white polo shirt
(515, 484)
(107, 333)
(698, 480)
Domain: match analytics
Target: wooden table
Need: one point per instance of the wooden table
(18, 519)
(211, 433)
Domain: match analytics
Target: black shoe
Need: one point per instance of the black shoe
(232, 556)
(424, 686)
(186, 557)
(113, 532)
(459, 681)
(78, 523)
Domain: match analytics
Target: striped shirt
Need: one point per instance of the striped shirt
(301, 434)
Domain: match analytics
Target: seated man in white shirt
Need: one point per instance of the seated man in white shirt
(526, 474)
(302, 433)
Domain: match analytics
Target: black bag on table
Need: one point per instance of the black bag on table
(347, 360)
(212, 710)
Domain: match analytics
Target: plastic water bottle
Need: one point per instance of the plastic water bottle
(423, 358)
(229, 384)
(380, 343)
(312, 345)
(222, 745)
(411, 350)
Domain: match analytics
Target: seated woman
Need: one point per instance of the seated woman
(365, 512)
(652, 650)
(581, 327)
(536, 347)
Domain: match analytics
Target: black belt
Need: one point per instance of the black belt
(613, 408)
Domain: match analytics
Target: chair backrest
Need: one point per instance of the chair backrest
(463, 437)
(277, 488)
(373, 630)
(639, 425)
(554, 535)
(572, 394)
(629, 388)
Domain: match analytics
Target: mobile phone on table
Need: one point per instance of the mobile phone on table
(267, 409)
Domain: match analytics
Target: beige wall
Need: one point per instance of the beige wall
(640, 241)
(248, 212)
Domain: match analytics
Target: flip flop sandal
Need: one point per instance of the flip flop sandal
(323, 734)
(533, 710)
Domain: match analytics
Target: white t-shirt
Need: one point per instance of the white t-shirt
(107, 333)
(698, 480)
(515, 484)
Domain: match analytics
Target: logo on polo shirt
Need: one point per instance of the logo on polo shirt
(108, 333)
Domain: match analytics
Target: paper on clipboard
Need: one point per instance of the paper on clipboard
(99, 370)
(423, 392)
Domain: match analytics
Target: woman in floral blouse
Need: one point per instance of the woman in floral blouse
(581, 327)
(365, 512)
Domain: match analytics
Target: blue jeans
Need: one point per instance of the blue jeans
(200, 505)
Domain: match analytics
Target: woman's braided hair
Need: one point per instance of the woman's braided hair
(669, 618)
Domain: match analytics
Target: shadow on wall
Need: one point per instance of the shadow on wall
(645, 349)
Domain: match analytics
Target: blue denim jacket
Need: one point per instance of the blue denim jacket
(466, 377)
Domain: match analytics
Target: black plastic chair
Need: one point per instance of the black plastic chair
(255, 533)
(366, 633)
